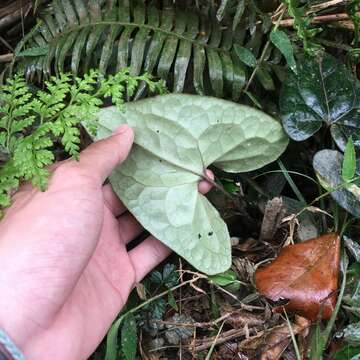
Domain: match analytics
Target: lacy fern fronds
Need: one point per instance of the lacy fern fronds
(31, 124)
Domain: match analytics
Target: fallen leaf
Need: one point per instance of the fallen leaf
(271, 343)
(306, 274)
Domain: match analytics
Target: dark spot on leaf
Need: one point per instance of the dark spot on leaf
(199, 236)
(157, 131)
(160, 160)
(210, 233)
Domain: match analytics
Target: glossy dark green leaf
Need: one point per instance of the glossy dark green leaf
(323, 92)
(349, 161)
(129, 337)
(280, 39)
(328, 166)
(245, 55)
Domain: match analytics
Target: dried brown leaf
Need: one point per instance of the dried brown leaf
(306, 274)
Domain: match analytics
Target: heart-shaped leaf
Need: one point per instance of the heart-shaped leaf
(328, 168)
(176, 138)
(323, 91)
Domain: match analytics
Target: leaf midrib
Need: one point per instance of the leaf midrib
(136, 25)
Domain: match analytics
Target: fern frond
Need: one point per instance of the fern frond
(172, 44)
(31, 123)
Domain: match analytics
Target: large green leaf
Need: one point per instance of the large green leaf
(328, 168)
(323, 91)
(176, 138)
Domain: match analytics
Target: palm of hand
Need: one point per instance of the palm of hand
(87, 281)
(66, 271)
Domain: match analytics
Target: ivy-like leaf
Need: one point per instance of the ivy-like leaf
(323, 91)
(176, 138)
(328, 168)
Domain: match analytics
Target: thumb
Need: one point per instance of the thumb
(101, 158)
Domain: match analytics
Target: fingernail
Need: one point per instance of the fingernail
(121, 129)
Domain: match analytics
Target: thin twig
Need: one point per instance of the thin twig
(6, 44)
(325, 5)
(263, 54)
(209, 324)
(223, 338)
(319, 19)
(4, 58)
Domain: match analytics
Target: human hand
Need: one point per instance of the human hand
(65, 271)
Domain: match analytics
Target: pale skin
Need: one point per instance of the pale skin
(65, 270)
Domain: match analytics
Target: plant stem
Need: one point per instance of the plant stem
(338, 187)
(262, 56)
(218, 187)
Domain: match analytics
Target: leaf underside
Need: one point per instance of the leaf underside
(323, 91)
(176, 138)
